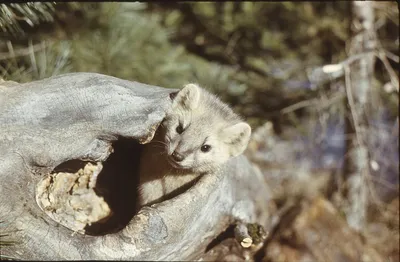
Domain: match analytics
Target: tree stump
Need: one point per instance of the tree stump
(69, 151)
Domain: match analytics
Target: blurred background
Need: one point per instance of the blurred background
(317, 81)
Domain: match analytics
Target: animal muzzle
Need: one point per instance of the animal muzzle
(177, 157)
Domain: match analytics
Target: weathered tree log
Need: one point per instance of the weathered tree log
(49, 129)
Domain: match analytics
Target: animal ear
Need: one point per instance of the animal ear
(188, 97)
(237, 137)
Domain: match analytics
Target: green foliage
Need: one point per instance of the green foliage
(32, 13)
(129, 44)
(35, 62)
(243, 51)
(133, 45)
(253, 31)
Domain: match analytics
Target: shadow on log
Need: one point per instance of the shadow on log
(72, 142)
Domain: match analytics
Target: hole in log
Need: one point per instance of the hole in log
(118, 183)
(94, 198)
(101, 197)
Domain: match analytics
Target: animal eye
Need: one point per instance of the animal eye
(205, 148)
(179, 129)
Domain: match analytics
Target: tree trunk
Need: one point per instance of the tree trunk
(72, 142)
(359, 76)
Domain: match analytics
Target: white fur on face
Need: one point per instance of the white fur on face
(204, 121)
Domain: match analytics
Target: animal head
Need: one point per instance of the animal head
(201, 132)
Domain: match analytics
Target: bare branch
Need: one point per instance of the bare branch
(393, 77)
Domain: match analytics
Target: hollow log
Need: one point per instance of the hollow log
(69, 150)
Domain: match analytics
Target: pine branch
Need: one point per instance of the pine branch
(32, 13)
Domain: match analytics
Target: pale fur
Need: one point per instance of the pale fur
(206, 121)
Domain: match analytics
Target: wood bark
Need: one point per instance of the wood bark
(69, 149)
(359, 78)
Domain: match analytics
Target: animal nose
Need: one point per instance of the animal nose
(177, 157)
